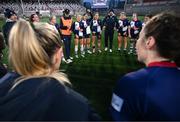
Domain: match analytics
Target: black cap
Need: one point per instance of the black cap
(111, 10)
(8, 13)
(66, 11)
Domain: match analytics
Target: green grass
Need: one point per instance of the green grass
(96, 75)
(1, 23)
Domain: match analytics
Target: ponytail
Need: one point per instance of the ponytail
(31, 50)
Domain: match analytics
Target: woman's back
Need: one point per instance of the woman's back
(42, 98)
(151, 93)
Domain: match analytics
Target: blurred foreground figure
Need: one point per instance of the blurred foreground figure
(152, 93)
(37, 90)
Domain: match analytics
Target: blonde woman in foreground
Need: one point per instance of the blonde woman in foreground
(37, 90)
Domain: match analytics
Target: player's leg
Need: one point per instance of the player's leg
(81, 46)
(106, 35)
(119, 41)
(88, 44)
(84, 44)
(76, 41)
(125, 43)
(99, 42)
(69, 45)
(93, 41)
(111, 36)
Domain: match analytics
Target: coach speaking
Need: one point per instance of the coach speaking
(109, 23)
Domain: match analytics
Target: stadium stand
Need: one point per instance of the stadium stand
(151, 6)
(45, 8)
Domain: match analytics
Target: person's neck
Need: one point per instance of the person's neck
(155, 59)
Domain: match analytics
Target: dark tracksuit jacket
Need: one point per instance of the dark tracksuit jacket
(41, 99)
(151, 93)
(3, 70)
(6, 29)
(109, 22)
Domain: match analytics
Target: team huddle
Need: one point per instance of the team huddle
(88, 28)
(87, 25)
(35, 89)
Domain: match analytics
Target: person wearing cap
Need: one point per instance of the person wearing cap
(11, 20)
(152, 93)
(66, 32)
(109, 23)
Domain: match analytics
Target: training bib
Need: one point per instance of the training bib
(125, 28)
(80, 33)
(88, 30)
(98, 28)
(136, 32)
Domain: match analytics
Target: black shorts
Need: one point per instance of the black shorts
(79, 37)
(86, 35)
(122, 33)
(97, 34)
(77, 33)
(134, 36)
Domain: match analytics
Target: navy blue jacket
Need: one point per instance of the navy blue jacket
(3, 70)
(110, 22)
(152, 93)
(6, 30)
(41, 99)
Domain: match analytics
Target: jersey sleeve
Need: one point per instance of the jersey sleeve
(117, 24)
(128, 22)
(104, 22)
(91, 25)
(125, 105)
(101, 23)
(116, 21)
(3, 70)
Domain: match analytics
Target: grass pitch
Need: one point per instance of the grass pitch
(96, 75)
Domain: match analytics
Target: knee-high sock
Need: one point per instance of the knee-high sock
(82, 49)
(76, 49)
